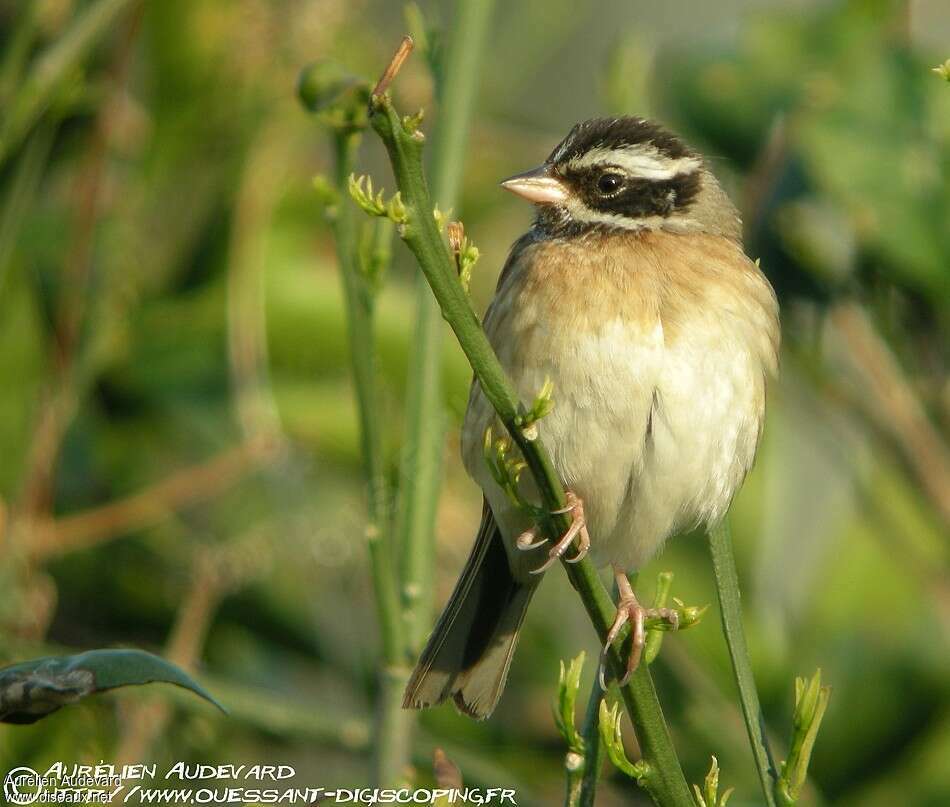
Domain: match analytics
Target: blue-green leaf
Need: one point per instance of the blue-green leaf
(34, 689)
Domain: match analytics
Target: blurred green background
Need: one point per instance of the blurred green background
(179, 444)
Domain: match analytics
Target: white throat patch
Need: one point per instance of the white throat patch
(574, 210)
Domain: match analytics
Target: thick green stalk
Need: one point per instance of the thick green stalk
(392, 743)
(421, 468)
(665, 780)
(393, 724)
(594, 752)
(727, 587)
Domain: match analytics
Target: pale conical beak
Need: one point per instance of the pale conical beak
(539, 186)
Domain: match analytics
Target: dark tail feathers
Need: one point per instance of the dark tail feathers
(469, 652)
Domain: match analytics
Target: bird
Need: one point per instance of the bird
(632, 295)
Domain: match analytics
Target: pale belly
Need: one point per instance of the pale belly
(654, 431)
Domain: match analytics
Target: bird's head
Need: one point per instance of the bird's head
(625, 173)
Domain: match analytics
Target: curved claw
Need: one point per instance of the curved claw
(525, 543)
(577, 530)
(573, 503)
(637, 614)
(581, 554)
(630, 610)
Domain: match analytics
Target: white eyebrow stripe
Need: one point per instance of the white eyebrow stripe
(638, 160)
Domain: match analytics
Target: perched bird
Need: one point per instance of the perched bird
(631, 292)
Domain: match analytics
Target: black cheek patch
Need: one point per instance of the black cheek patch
(641, 198)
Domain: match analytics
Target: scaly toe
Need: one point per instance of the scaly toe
(577, 530)
(630, 611)
(556, 551)
(624, 608)
(670, 615)
(583, 547)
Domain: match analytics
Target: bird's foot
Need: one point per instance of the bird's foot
(530, 539)
(630, 611)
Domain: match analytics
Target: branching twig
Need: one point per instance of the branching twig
(457, 74)
(666, 781)
(53, 538)
(393, 725)
(341, 100)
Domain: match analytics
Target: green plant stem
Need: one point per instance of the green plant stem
(421, 466)
(574, 778)
(17, 50)
(54, 65)
(727, 587)
(22, 191)
(594, 752)
(392, 743)
(393, 724)
(665, 780)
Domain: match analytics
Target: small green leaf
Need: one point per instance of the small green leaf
(361, 190)
(34, 689)
(542, 406)
(943, 70)
(709, 795)
(569, 682)
(654, 640)
(464, 252)
(613, 742)
(396, 209)
(440, 217)
(506, 467)
(811, 700)
(411, 123)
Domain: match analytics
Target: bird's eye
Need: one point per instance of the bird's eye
(609, 182)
